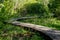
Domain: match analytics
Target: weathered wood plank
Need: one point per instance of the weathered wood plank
(53, 34)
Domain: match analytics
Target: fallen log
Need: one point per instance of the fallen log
(22, 18)
(53, 34)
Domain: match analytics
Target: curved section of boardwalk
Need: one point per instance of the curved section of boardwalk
(53, 34)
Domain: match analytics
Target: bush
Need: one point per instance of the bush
(34, 8)
(1, 1)
(7, 10)
(54, 7)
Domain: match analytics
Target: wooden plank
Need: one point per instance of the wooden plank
(53, 34)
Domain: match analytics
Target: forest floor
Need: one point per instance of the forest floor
(13, 31)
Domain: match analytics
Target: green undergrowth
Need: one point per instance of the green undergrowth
(16, 33)
(17, 8)
(49, 22)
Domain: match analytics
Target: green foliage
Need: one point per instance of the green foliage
(49, 22)
(54, 7)
(35, 8)
(18, 8)
(4, 13)
(7, 10)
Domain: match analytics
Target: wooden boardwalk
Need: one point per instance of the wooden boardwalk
(53, 34)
